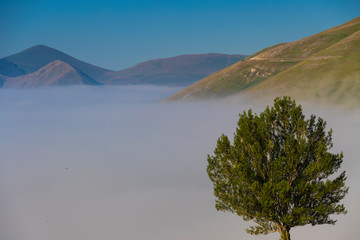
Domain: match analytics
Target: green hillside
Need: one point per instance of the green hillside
(309, 62)
(331, 75)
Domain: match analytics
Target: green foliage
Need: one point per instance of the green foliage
(276, 172)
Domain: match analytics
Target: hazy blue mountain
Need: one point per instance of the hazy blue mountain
(175, 71)
(34, 58)
(10, 69)
(56, 73)
(2, 80)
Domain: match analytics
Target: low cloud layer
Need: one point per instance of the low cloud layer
(113, 163)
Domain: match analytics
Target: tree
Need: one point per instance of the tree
(276, 172)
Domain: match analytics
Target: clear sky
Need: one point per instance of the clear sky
(118, 34)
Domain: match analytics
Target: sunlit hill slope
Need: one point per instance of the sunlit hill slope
(324, 66)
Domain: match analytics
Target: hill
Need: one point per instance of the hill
(34, 58)
(175, 71)
(331, 75)
(2, 80)
(56, 73)
(303, 68)
(10, 69)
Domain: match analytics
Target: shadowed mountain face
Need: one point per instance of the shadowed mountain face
(56, 73)
(2, 80)
(323, 66)
(10, 69)
(176, 71)
(34, 58)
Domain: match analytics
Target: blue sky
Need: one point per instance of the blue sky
(118, 34)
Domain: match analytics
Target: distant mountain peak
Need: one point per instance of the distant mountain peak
(41, 49)
(60, 67)
(56, 73)
(36, 57)
(59, 62)
(39, 46)
(180, 70)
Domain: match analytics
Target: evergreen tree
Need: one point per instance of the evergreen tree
(276, 172)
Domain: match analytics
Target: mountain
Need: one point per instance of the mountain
(330, 76)
(34, 58)
(175, 71)
(56, 73)
(10, 69)
(323, 66)
(2, 80)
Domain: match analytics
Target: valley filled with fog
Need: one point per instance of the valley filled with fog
(90, 163)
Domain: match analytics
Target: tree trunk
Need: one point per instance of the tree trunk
(285, 233)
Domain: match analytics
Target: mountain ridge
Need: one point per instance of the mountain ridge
(180, 70)
(36, 57)
(269, 63)
(335, 73)
(56, 73)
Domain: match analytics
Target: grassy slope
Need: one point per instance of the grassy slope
(266, 64)
(233, 79)
(331, 75)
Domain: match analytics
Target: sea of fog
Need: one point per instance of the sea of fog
(90, 163)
